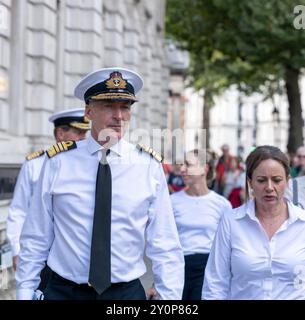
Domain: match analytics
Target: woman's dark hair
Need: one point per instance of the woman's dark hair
(260, 154)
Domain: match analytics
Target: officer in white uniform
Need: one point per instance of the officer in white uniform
(92, 258)
(68, 125)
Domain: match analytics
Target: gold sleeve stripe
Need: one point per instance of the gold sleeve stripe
(150, 151)
(34, 155)
(60, 146)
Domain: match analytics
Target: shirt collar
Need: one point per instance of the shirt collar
(249, 209)
(118, 148)
(295, 212)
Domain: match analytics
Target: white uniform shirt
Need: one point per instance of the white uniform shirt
(27, 179)
(61, 219)
(244, 264)
(197, 219)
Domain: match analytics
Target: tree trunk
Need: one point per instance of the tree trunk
(295, 136)
(207, 104)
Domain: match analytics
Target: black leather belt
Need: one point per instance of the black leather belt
(85, 285)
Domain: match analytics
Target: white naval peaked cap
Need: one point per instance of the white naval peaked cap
(71, 117)
(113, 83)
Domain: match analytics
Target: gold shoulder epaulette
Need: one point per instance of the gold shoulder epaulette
(34, 155)
(150, 151)
(61, 147)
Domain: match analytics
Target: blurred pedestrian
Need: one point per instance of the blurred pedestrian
(175, 181)
(299, 169)
(167, 168)
(222, 167)
(234, 183)
(197, 211)
(294, 166)
(296, 189)
(213, 163)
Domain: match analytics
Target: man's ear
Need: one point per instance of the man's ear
(58, 134)
(88, 112)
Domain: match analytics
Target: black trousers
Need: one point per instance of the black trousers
(193, 276)
(45, 274)
(59, 288)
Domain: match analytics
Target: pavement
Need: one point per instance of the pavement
(8, 292)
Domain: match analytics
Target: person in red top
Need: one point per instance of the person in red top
(235, 180)
(223, 166)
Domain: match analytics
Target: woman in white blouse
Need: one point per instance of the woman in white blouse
(259, 248)
(197, 213)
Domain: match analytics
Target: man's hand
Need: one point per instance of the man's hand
(151, 293)
(15, 261)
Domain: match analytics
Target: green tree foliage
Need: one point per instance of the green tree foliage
(253, 44)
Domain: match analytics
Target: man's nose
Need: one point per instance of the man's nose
(117, 113)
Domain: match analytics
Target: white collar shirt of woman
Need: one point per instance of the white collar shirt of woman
(244, 265)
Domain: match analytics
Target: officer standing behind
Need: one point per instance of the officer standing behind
(68, 125)
(94, 205)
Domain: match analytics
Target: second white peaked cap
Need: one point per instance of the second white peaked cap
(72, 117)
(113, 83)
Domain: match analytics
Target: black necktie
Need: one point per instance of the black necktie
(100, 265)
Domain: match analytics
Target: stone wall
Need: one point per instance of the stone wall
(49, 45)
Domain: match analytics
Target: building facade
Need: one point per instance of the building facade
(47, 46)
(242, 121)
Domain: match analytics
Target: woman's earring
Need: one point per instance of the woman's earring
(251, 192)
